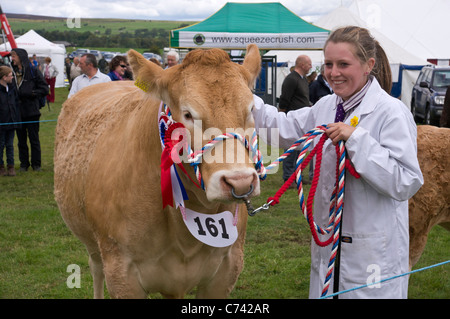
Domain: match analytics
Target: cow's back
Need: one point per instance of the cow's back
(86, 116)
(433, 145)
(93, 113)
(430, 206)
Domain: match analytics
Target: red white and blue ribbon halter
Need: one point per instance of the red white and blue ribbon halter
(173, 144)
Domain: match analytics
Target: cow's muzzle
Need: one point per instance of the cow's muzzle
(227, 185)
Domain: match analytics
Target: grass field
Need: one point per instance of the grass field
(36, 247)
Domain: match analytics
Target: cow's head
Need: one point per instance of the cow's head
(210, 95)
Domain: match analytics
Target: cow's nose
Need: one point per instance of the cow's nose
(240, 185)
(240, 181)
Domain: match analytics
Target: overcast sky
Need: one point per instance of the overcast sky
(190, 10)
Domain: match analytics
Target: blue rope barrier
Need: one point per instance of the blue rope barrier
(42, 121)
(378, 282)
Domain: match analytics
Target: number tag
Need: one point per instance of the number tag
(214, 230)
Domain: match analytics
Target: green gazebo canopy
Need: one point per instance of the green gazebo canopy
(236, 25)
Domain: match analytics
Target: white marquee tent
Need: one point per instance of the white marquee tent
(35, 44)
(403, 79)
(421, 27)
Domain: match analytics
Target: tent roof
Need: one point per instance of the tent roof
(235, 25)
(35, 44)
(422, 27)
(342, 16)
(254, 18)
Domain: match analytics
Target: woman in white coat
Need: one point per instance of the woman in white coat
(380, 139)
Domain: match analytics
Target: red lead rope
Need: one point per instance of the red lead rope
(318, 152)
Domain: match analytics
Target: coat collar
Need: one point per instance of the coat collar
(368, 103)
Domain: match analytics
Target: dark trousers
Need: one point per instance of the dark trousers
(289, 165)
(7, 142)
(29, 131)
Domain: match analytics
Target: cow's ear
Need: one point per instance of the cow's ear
(147, 74)
(252, 63)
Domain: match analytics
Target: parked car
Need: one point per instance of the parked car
(80, 52)
(428, 94)
(108, 56)
(97, 54)
(149, 55)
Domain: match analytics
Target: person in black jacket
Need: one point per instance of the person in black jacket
(294, 96)
(9, 119)
(32, 88)
(319, 88)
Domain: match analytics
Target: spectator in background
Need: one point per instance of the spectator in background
(103, 65)
(9, 113)
(34, 61)
(319, 87)
(50, 72)
(75, 70)
(67, 66)
(294, 96)
(91, 74)
(154, 60)
(311, 77)
(128, 73)
(117, 68)
(172, 59)
(31, 88)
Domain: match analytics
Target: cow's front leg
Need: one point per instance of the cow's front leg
(221, 285)
(121, 275)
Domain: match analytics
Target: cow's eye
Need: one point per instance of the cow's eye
(187, 116)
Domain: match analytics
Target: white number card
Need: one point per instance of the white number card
(215, 230)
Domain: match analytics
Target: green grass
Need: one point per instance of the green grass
(94, 25)
(36, 247)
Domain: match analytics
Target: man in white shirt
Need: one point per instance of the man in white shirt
(172, 59)
(91, 74)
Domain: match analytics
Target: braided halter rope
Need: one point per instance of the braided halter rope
(194, 158)
(337, 196)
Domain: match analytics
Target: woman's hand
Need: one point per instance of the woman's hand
(339, 131)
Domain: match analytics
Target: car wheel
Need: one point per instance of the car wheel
(414, 111)
(427, 119)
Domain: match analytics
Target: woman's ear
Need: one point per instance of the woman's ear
(370, 65)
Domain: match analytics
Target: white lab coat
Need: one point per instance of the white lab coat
(383, 150)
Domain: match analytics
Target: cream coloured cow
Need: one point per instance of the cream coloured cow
(108, 177)
(430, 206)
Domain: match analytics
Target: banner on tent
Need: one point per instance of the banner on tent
(228, 40)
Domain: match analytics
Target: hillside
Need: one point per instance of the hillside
(113, 33)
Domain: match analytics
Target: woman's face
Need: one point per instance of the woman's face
(345, 73)
(120, 69)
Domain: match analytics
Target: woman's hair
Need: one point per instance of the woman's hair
(117, 60)
(154, 60)
(366, 47)
(4, 70)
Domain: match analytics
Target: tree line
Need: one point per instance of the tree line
(152, 39)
